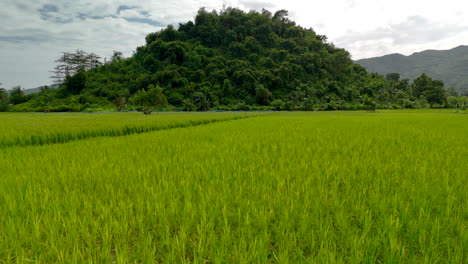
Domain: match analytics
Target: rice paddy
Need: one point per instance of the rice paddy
(26, 129)
(320, 187)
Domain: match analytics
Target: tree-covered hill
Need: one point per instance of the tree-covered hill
(228, 60)
(450, 66)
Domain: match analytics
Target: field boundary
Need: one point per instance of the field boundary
(60, 138)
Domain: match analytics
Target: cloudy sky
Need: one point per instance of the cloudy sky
(33, 33)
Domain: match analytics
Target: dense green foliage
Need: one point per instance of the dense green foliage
(232, 60)
(4, 100)
(323, 187)
(149, 100)
(450, 66)
(17, 96)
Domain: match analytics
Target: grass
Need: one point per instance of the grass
(338, 187)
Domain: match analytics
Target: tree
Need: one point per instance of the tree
(452, 102)
(17, 95)
(4, 100)
(431, 90)
(44, 88)
(436, 94)
(281, 15)
(149, 100)
(201, 101)
(116, 56)
(120, 103)
(76, 83)
(369, 103)
(71, 63)
(392, 77)
(463, 102)
(188, 105)
(262, 94)
(421, 84)
(296, 97)
(277, 104)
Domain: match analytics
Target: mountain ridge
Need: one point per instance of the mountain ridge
(450, 66)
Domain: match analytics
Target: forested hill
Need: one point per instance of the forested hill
(451, 66)
(229, 60)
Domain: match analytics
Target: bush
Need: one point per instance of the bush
(17, 96)
(120, 103)
(148, 101)
(277, 104)
(463, 102)
(406, 103)
(241, 106)
(260, 108)
(421, 103)
(309, 105)
(188, 105)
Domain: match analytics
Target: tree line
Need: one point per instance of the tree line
(232, 60)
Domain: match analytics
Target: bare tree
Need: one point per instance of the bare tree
(72, 62)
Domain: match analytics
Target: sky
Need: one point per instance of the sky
(33, 33)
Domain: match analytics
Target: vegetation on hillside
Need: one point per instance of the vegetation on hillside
(449, 66)
(230, 60)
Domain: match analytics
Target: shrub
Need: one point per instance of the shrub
(149, 100)
(277, 104)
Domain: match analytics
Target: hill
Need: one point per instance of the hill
(450, 66)
(227, 60)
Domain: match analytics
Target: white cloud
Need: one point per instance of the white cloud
(405, 37)
(131, 14)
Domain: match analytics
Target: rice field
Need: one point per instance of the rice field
(46, 128)
(319, 187)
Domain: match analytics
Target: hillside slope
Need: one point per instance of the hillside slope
(450, 66)
(229, 60)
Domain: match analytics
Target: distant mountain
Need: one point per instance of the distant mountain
(450, 66)
(38, 89)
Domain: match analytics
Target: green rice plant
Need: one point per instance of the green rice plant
(51, 128)
(336, 187)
